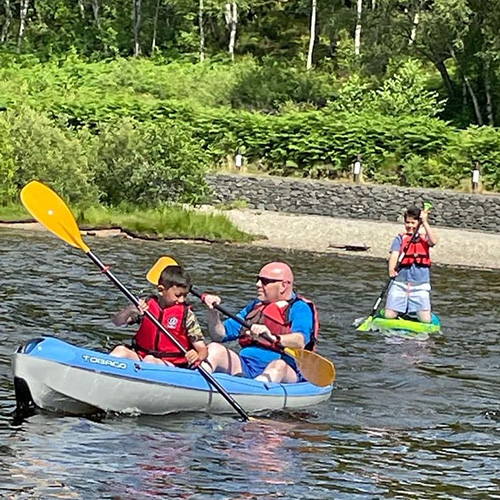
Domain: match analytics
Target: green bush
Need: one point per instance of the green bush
(149, 163)
(34, 148)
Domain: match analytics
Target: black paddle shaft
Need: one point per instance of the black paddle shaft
(224, 311)
(207, 376)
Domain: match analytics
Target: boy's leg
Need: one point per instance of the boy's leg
(221, 359)
(424, 316)
(121, 351)
(420, 302)
(157, 361)
(397, 300)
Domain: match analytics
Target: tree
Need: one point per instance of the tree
(312, 35)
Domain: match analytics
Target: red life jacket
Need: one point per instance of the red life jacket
(417, 253)
(276, 318)
(151, 340)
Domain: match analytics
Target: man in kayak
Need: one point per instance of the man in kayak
(150, 344)
(410, 290)
(279, 317)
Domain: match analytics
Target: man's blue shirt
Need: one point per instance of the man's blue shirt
(301, 321)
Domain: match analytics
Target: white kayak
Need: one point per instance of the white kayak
(58, 376)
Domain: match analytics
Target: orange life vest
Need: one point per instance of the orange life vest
(149, 339)
(417, 253)
(276, 318)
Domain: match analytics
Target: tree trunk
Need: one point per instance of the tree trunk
(81, 6)
(475, 103)
(487, 89)
(414, 26)
(470, 90)
(137, 26)
(441, 67)
(202, 30)
(312, 35)
(155, 26)
(23, 11)
(357, 33)
(232, 22)
(95, 11)
(6, 24)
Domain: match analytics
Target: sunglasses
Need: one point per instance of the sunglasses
(266, 281)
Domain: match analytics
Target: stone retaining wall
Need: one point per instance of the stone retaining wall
(359, 201)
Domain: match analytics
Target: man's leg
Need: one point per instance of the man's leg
(278, 371)
(221, 359)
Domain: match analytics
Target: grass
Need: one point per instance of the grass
(163, 222)
(14, 213)
(166, 222)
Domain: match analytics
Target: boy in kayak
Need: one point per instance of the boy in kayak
(410, 290)
(152, 345)
(285, 318)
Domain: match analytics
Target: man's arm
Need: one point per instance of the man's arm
(302, 326)
(127, 316)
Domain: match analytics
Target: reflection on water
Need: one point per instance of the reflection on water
(408, 419)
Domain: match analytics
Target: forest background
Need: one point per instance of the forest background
(134, 101)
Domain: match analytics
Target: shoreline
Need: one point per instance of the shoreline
(316, 233)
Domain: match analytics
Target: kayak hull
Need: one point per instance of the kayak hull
(61, 377)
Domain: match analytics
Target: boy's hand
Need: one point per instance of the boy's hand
(143, 307)
(192, 356)
(393, 273)
(424, 216)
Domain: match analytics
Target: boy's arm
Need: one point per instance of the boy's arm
(199, 352)
(432, 237)
(394, 256)
(393, 262)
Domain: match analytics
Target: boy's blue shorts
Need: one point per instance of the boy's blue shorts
(409, 297)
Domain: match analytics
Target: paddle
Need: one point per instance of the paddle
(53, 213)
(313, 367)
(367, 323)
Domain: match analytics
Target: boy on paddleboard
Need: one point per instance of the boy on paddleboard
(410, 290)
(150, 344)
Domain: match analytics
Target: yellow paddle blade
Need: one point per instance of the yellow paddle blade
(154, 273)
(366, 325)
(52, 212)
(313, 367)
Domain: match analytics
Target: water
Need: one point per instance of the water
(407, 420)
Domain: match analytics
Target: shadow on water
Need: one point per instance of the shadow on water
(407, 419)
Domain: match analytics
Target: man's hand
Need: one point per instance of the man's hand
(257, 330)
(211, 300)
